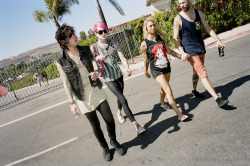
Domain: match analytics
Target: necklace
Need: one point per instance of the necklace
(75, 59)
(152, 38)
(74, 56)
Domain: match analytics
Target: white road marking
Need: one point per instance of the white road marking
(40, 153)
(134, 76)
(45, 109)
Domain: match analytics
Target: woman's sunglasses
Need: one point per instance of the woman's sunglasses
(101, 31)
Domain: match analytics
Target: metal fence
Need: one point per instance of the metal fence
(26, 80)
(128, 43)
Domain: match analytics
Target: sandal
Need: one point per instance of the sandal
(165, 107)
(183, 118)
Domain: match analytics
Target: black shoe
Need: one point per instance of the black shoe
(221, 102)
(118, 148)
(197, 94)
(106, 154)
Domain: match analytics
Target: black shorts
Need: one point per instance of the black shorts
(156, 73)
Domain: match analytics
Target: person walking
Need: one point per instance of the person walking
(155, 49)
(45, 76)
(83, 87)
(106, 53)
(38, 78)
(187, 26)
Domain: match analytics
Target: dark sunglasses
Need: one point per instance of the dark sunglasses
(101, 31)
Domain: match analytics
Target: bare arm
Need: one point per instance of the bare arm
(209, 30)
(120, 54)
(177, 28)
(146, 59)
(123, 59)
(169, 50)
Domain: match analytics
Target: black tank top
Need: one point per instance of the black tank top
(157, 54)
(191, 36)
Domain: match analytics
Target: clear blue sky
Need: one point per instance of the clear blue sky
(19, 32)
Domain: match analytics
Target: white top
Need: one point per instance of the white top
(93, 96)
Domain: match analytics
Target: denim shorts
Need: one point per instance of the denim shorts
(156, 73)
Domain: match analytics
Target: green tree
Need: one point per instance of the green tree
(91, 33)
(56, 10)
(99, 9)
(82, 35)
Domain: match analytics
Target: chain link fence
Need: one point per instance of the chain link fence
(128, 43)
(27, 80)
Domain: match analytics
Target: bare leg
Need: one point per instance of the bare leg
(162, 93)
(162, 81)
(209, 87)
(195, 80)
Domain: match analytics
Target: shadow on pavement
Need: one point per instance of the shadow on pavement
(153, 132)
(227, 90)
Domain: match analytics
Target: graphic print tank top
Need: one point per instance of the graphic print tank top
(157, 54)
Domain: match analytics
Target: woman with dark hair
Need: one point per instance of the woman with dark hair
(83, 87)
(106, 53)
(155, 49)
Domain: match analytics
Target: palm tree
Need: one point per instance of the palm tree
(56, 9)
(114, 3)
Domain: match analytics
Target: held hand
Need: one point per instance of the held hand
(74, 109)
(128, 72)
(147, 74)
(219, 43)
(94, 75)
(184, 57)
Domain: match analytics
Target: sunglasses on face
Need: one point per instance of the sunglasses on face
(101, 31)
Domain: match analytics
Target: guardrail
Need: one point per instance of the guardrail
(27, 80)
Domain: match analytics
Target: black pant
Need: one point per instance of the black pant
(106, 113)
(117, 88)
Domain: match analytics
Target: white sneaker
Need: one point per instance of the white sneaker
(140, 130)
(121, 119)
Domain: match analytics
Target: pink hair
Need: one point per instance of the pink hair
(100, 25)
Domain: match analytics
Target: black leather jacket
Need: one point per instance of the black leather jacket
(72, 72)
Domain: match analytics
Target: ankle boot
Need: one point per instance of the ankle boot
(106, 154)
(117, 147)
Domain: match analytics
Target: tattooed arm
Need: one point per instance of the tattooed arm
(123, 59)
(74, 108)
(146, 59)
(170, 51)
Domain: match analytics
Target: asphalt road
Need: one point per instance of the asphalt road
(43, 132)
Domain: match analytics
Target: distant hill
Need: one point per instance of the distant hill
(51, 48)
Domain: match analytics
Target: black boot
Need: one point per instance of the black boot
(106, 154)
(117, 147)
(221, 102)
